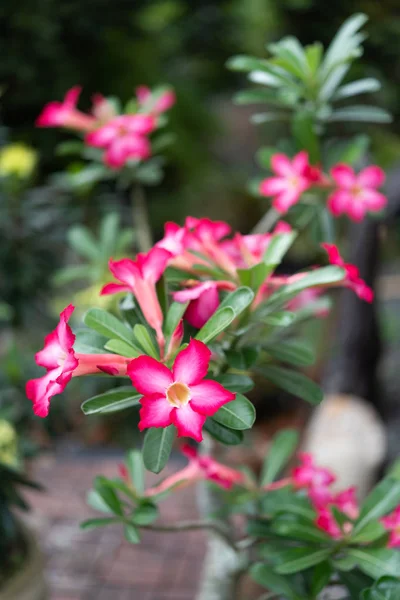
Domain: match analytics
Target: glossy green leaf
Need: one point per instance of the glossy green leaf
(321, 577)
(387, 588)
(174, 315)
(293, 382)
(239, 414)
(229, 437)
(361, 86)
(106, 324)
(257, 96)
(145, 340)
(299, 559)
(96, 502)
(314, 54)
(131, 534)
(145, 514)
(305, 135)
(297, 528)
(343, 42)
(238, 300)
(283, 318)
(376, 562)
(269, 117)
(245, 63)
(292, 352)
(108, 495)
(89, 342)
(264, 155)
(264, 575)
(83, 242)
(382, 500)
(134, 463)
(278, 247)
(123, 349)
(111, 401)
(157, 447)
(219, 321)
(281, 450)
(255, 276)
(235, 382)
(361, 113)
(94, 523)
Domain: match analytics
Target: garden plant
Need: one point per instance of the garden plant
(205, 313)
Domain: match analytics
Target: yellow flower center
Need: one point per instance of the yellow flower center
(178, 394)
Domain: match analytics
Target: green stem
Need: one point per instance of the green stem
(267, 222)
(213, 526)
(141, 219)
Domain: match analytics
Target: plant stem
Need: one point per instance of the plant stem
(141, 219)
(213, 526)
(266, 223)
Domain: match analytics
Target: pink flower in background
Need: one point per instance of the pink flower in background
(248, 250)
(308, 475)
(327, 522)
(155, 103)
(352, 277)
(356, 194)
(62, 363)
(323, 500)
(103, 110)
(204, 300)
(124, 138)
(392, 524)
(140, 277)
(293, 177)
(181, 397)
(65, 114)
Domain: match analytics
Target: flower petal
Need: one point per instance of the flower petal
(344, 176)
(57, 342)
(155, 263)
(356, 210)
(281, 165)
(114, 288)
(338, 202)
(286, 199)
(188, 422)
(373, 200)
(191, 365)
(200, 310)
(149, 376)
(102, 137)
(155, 412)
(333, 254)
(371, 177)
(273, 186)
(208, 396)
(300, 162)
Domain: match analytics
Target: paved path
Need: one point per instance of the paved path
(99, 564)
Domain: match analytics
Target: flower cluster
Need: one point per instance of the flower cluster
(353, 194)
(123, 137)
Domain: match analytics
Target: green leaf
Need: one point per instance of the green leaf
(96, 502)
(134, 462)
(278, 247)
(295, 383)
(229, 437)
(293, 352)
(304, 133)
(371, 532)
(282, 448)
(343, 42)
(355, 581)
(257, 97)
(238, 300)
(387, 588)
(376, 562)
(108, 495)
(297, 528)
(89, 342)
(145, 340)
(235, 383)
(265, 576)
(83, 242)
(131, 534)
(361, 113)
(362, 86)
(157, 447)
(382, 500)
(238, 414)
(264, 155)
(269, 117)
(320, 579)
(299, 559)
(313, 56)
(283, 318)
(111, 401)
(145, 514)
(219, 321)
(106, 324)
(93, 523)
(108, 234)
(73, 273)
(245, 63)
(174, 315)
(255, 276)
(122, 348)
(69, 147)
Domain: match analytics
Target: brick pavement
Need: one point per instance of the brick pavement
(99, 564)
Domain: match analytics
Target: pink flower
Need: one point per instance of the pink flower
(212, 470)
(181, 397)
(323, 500)
(140, 277)
(392, 523)
(103, 110)
(204, 300)
(352, 278)
(327, 522)
(293, 178)
(156, 104)
(123, 138)
(356, 194)
(62, 363)
(308, 475)
(346, 502)
(65, 114)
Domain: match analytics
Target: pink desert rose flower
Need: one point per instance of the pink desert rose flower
(65, 114)
(62, 362)
(309, 475)
(103, 110)
(392, 524)
(181, 397)
(323, 501)
(123, 138)
(352, 278)
(156, 104)
(293, 177)
(356, 194)
(203, 300)
(140, 277)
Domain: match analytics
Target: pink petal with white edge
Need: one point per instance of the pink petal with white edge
(273, 186)
(40, 390)
(338, 202)
(208, 396)
(199, 311)
(188, 422)
(64, 331)
(155, 412)
(149, 376)
(281, 165)
(344, 176)
(191, 365)
(371, 177)
(373, 200)
(155, 264)
(57, 342)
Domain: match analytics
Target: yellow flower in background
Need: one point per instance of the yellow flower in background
(8, 444)
(18, 160)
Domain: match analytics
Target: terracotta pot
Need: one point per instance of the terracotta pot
(27, 583)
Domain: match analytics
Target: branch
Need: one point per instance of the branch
(267, 222)
(212, 526)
